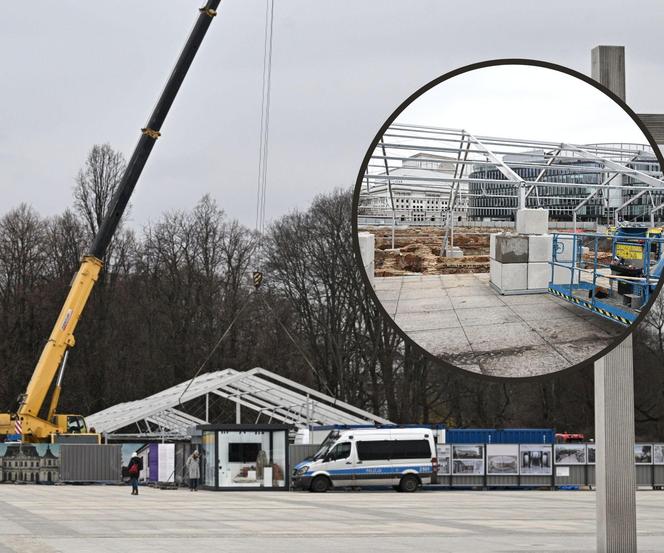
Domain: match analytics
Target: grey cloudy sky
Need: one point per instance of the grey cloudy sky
(78, 73)
(524, 101)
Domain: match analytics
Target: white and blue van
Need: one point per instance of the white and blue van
(404, 458)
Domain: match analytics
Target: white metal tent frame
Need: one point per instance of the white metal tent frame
(269, 395)
(403, 142)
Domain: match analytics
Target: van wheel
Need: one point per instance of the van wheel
(320, 484)
(409, 483)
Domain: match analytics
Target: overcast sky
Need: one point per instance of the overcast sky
(78, 73)
(524, 101)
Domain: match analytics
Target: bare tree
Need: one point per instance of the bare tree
(95, 184)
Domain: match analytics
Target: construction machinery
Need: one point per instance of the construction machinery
(32, 420)
(613, 275)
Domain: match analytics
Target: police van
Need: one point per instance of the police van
(404, 458)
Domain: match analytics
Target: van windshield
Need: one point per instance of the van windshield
(327, 444)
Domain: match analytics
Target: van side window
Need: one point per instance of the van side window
(340, 451)
(379, 450)
(411, 449)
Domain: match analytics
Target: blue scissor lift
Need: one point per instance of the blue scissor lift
(617, 290)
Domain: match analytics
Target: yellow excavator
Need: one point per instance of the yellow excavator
(31, 421)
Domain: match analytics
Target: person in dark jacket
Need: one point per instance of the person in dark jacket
(134, 469)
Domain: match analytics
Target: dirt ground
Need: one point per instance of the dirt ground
(417, 251)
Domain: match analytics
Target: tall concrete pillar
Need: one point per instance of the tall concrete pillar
(614, 434)
(608, 68)
(367, 250)
(614, 393)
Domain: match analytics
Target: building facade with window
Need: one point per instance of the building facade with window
(491, 200)
(24, 463)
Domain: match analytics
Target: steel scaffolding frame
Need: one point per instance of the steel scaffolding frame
(467, 152)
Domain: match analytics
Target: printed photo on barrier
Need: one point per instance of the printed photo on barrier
(592, 453)
(643, 454)
(658, 454)
(570, 454)
(502, 459)
(31, 463)
(535, 459)
(468, 459)
(443, 453)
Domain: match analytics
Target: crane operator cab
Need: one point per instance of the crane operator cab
(74, 429)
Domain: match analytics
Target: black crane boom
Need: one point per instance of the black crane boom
(151, 132)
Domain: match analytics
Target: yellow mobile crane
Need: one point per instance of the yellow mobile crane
(31, 421)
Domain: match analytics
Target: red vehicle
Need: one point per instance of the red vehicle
(567, 438)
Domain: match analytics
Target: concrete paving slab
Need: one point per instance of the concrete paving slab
(416, 292)
(487, 316)
(530, 361)
(480, 289)
(466, 302)
(441, 303)
(106, 519)
(387, 283)
(390, 294)
(520, 299)
(427, 320)
(539, 311)
(510, 335)
(567, 330)
(442, 342)
(525, 334)
(576, 351)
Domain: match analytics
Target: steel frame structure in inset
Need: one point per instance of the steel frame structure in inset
(526, 173)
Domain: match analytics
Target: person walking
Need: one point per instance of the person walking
(194, 470)
(134, 469)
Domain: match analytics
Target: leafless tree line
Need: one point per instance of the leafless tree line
(170, 291)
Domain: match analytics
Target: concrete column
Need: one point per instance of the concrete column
(614, 393)
(238, 413)
(614, 432)
(608, 68)
(367, 250)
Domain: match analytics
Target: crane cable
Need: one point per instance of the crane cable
(261, 187)
(261, 193)
(263, 149)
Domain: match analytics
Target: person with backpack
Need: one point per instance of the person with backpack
(134, 469)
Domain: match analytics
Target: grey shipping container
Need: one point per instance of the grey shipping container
(90, 463)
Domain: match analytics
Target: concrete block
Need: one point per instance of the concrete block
(514, 276)
(539, 275)
(492, 244)
(540, 247)
(511, 248)
(565, 248)
(562, 275)
(532, 221)
(495, 270)
(367, 250)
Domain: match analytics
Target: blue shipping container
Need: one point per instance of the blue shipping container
(496, 436)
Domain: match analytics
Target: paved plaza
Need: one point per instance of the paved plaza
(100, 519)
(463, 320)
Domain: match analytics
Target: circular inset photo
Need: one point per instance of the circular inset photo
(508, 218)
